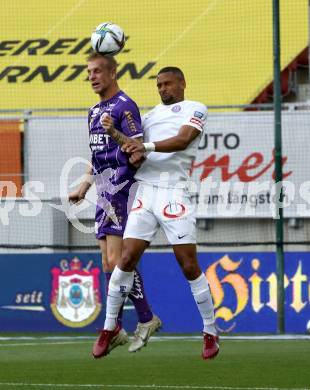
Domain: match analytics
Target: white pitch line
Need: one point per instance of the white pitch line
(153, 386)
(39, 344)
(50, 341)
(163, 338)
(8, 338)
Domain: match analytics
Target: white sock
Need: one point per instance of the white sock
(119, 287)
(201, 292)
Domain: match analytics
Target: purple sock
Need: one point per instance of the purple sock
(138, 298)
(120, 313)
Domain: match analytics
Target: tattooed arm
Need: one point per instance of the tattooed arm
(120, 138)
(136, 158)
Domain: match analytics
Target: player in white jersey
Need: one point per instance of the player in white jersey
(165, 121)
(172, 132)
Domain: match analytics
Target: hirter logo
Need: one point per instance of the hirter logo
(75, 297)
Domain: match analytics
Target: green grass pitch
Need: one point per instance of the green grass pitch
(43, 364)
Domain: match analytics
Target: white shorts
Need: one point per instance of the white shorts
(168, 208)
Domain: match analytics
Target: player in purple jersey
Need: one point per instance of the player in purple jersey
(114, 176)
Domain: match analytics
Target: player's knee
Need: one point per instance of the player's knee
(191, 270)
(127, 262)
(107, 266)
(111, 263)
(108, 262)
(112, 259)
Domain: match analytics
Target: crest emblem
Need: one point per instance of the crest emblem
(176, 108)
(75, 297)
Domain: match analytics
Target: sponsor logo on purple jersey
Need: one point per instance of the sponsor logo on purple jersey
(105, 152)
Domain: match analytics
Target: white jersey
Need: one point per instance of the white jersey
(165, 121)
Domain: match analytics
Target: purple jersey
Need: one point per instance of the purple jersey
(126, 117)
(113, 173)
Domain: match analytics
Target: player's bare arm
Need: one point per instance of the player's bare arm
(186, 135)
(79, 194)
(117, 136)
(136, 158)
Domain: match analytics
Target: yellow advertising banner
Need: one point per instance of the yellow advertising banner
(224, 48)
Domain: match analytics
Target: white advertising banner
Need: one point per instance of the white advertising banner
(233, 172)
(235, 165)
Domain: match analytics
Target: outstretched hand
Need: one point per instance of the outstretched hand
(78, 195)
(133, 147)
(136, 159)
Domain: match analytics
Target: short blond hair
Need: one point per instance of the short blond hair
(111, 62)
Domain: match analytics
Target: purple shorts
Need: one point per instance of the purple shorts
(112, 211)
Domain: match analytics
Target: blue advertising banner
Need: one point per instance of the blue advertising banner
(65, 292)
